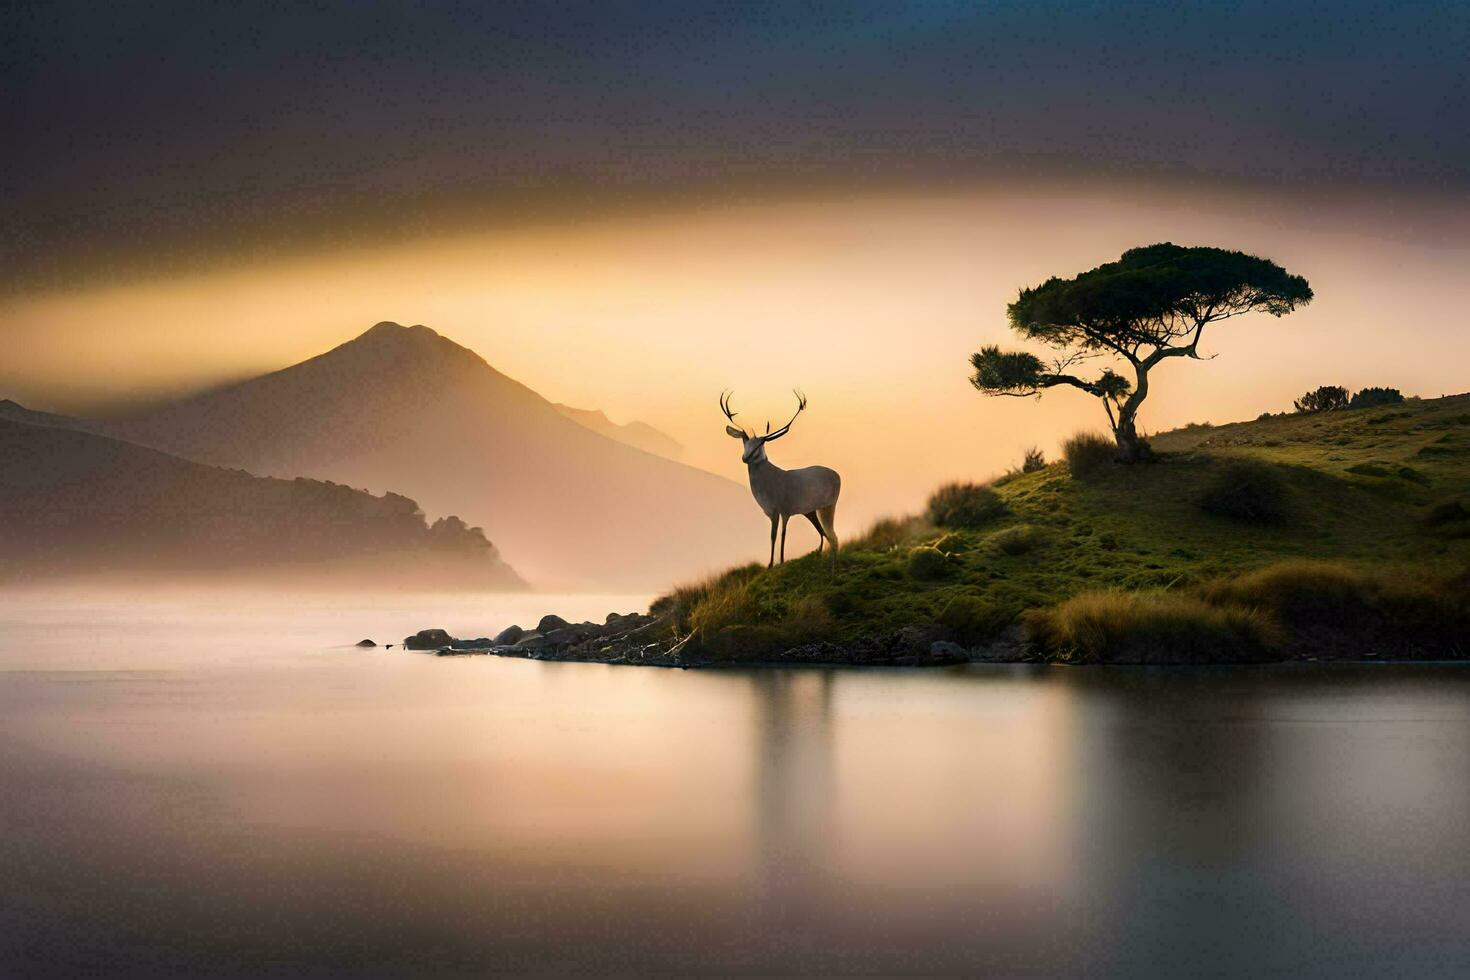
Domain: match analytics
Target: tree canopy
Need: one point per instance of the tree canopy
(1152, 303)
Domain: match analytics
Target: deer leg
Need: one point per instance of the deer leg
(829, 527)
(772, 560)
(784, 519)
(821, 535)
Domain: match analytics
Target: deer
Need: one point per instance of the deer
(783, 494)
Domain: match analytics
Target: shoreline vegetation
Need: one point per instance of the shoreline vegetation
(1331, 535)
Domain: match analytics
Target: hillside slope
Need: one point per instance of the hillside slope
(74, 502)
(639, 435)
(1374, 492)
(404, 409)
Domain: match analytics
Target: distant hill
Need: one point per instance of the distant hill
(405, 409)
(74, 502)
(639, 435)
(15, 412)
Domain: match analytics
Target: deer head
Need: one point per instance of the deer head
(754, 446)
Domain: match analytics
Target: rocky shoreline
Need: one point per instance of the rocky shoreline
(639, 639)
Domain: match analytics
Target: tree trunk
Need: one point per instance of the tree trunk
(1132, 448)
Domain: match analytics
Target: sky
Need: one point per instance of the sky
(631, 206)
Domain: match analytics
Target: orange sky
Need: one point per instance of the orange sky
(870, 305)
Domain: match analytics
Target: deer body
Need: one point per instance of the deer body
(809, 492)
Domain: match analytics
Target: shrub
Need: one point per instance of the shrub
(973, 619)
(1019, 539)
(679, 606)
(927, 564)
(1373, 397)
(1246, 490)
(1149, 628)
(1340, 608)
(964, 505)
(1446, 512)
(1089, 454)
(1034, 460)
(952, 544)
(808, 619)
(886, 533)
(1448, 519)
(1327, 398)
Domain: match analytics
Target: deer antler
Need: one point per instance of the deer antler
(800, 406)
(725, 407)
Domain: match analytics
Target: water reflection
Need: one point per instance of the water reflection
(322, 809)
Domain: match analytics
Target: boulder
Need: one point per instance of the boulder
(479, 643)
(945, 650)
(508, 636)
(427, 640)
(366, 643)
(549, 623)
(531, 641)
(919, 637)
(573, 634)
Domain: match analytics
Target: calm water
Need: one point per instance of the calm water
(226, 786)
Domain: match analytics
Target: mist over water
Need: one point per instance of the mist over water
(219, 781)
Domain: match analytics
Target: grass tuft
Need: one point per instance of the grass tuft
(957, 505)
(1145, 628)
(1246, 490)
(1090, 455)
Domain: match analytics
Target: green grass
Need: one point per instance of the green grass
(1355, 488)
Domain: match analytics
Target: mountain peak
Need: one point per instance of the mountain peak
(388, 330)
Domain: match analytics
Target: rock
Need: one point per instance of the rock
(531, 641)
(366, 643)
(479, 643)
(612, 618)
(946, 650)
(509, 636)
(427, 640)
(549, 623)
(573, 634)
(919, 638)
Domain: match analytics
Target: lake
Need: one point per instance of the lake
(223, 784)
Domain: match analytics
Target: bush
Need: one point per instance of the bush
(964, 505)
(1089, 454)
(927, 564)
(952, 544)
(1446, 512)
(1034, 460)
(1246, 490)
(1373, 397)
(973, 619)
(1019, 539)
(1448, 519)
(679, 606)
(1150, 628)
(886, 533)
(1327, 398)
(1336, 608)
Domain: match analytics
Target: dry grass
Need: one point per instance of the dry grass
(1141, 628)
(964, 505)
(1089, 454)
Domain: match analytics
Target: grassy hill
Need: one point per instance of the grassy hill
(1294, 535)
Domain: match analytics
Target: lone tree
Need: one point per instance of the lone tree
(1151, 304)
